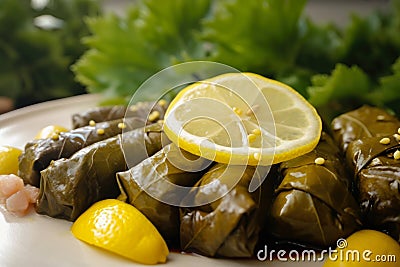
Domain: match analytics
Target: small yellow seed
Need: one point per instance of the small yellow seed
(155, 115)
(133, 108)
(121, 125)
(397, 137)
(160, 121)
(256, 131)
(385, 141)
(257, 156)
(398, 131)
(319, 161)
(92, 123)
(238, 111)
(162, 103)
(380, 117)
(252, 110)
(251, 138)
(55, 136)
(396, 155)
(100, 131)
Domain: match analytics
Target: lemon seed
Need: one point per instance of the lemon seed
(257, 156)
(380, 117)
(121, 125)
(252, 110)
(162, 102)
(256, 131)
(100, 131)
(155, 115)
(133, 108)
(92, 123)
(319, 161)
(396, 154)
(55, 136)
(251, 138)
(238, 111)
(385, 141)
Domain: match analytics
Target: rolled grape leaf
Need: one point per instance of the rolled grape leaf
(228, 226)
(377, 175)
(38, 154)
(69, 186)
(366, 121)
(376, 172)
(313, 205)
(151, 187)
(100, 114)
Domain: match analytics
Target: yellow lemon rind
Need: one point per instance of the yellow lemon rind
(243, 159)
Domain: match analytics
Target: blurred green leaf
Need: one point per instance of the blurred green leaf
(125, 51)
(372, 43)
(387, 92)
(258, 36)
(344, 82)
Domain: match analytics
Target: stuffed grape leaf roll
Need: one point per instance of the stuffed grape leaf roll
(372, 138)
(69, 186)
(98, 114)
(365, 121)
(377, 175)
(313, 205)
(230, 223)
(151, 187)
(107, 113)
(38, 154)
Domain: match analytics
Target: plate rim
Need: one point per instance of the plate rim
(39, 107)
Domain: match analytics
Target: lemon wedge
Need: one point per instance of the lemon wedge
(120, 228)
(9, 160)
(50, 131)
(242, 118)
(365, 248)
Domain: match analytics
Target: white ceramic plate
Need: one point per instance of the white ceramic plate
(37, 240)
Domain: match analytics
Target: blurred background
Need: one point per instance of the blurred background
(41, 39)
(338, 11)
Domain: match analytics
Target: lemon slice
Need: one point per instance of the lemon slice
(242, 118)
(120, 228)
